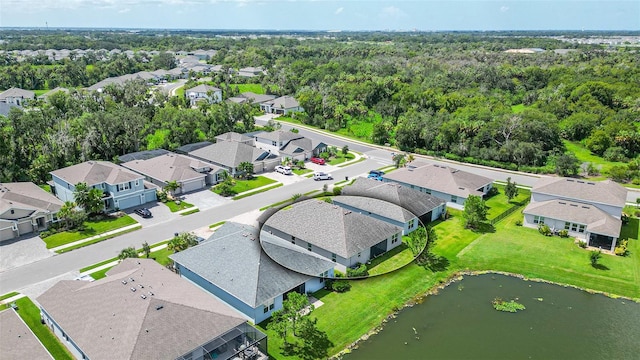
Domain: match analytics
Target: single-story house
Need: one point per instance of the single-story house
(203, 92)
(250, 71)
(425, 206)
(25, 208)
(287, 144)
(16, 339)
(17, 96)
(142, 155)
(342, 236)
(186, 149)
(232, 266)
(142, 310)
(449, 184)
(588, 210)
(379, 209)
(230, 154)
(190, 174)
(282, 105)
(122, 188)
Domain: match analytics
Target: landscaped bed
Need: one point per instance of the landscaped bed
(340, 158)
(91, 228)
(171, 204)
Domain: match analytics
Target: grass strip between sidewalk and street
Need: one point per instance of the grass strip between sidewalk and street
(9, 295)
(91, 242)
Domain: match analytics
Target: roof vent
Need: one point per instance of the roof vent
(141, 286)
(586, 207)
(573, 205)
(131, 279)
(150, 293)
(124, 282)
(159, 307)
(143, 296)
(562, 203)
(580, 182)
(590, 183)
(461, 188)
(133, 289)
(570, 180)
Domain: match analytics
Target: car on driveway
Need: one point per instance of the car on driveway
(317, 160)
(144, 212)
(285, 170)
(322, 176)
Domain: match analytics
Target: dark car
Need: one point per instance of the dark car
(144, 212)
(317, 160)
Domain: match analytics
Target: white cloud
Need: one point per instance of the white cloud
(392, 12)
(504, 9)
(126, 10)
(339, 10)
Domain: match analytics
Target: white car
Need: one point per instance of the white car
(322, 176)
(285, 170)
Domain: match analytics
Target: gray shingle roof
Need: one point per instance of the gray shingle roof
(331, 227)
(233, 260)
(284, 102)
(603, 192)
(257, 98)
(417, 202)
(596, 220)
(27, 195)
(233, 136)
(441, 178)
(142, 155)
(17, 92)
(294, 257)
(228, 153)
(279, 135)
(170, 167)
(203, 88)
(17, 341)
(297, 145)
(96, 172)
(185, 149)
(109, 321)
(375, 206)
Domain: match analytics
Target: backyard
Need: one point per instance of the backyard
(499, 203)
(254, 88)
(91, 228)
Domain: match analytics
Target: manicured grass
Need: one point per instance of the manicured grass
(257, 191)
(30, 313)
(102, 238)
(190, 212)
(390, 261)
(301, 171)
(275, 204)
(175, 207)
(180, 92)
(219, 223)
(45, 187)
(311, 192)
(40, 92)
(584, 155)
(11, 294)
(340, 158)
(92, 228)
(161, 256)
(353, 162)
(631, 230)
(499, 203)
(87, 268)
(246, 185)
(254, 88)
(97, 275)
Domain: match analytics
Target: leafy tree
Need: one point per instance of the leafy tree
(129, 252)
(475, 211)
(345, 150)
(164, 60)
(300, 164)
(410, 158)
(598, 142)
(288, 318)
(398, 160)
(225, 188)
(146, 249)
(511, 189)
(246, 168)
(90, 199)
(619, 173)
(69, 214)
(567, 164)
(182, 241)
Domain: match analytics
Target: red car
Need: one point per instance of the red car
(317, 160)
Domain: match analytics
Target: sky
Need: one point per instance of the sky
(423, 15)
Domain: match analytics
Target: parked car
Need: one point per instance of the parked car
(285, 170)
(144, 212)
(322, 176)
(317, 160)
(374, 177)
(376, 173)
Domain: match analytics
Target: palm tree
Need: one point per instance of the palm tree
(410, 158)
(81, 194)
(66, 212)
(247, 168)
(129, 252)
(171, 187)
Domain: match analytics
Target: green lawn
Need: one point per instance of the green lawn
(219, 223)
(180, 92)
(30, 313)
(45, 187)
(242, 196)
(390, 261)
(97, 275)
(40, 92)
(11, 294)
(254, 88)
(499, 203)
(584, 155)
(175, 207)
(301, 171)
(246, 185)
(161, 256)
(340, 158)
(92, 228)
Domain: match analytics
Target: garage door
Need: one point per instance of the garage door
(192, 185)
(25, 227)
(129, 202)
(6, 234)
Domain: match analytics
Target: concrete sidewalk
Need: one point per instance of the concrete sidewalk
(104, 234)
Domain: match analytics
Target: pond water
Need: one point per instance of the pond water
(461, 323)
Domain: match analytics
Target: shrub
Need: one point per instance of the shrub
(162, 196)
(359, 271)
(337, 190)
(582, 244)
(544, 230)
(340, 286)
(493, 191)
(518, 222)
(564, 233)
(621, 249)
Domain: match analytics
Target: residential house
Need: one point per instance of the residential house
(425, 206)
(142, 310)
(449, 184)
(190, 174)
(591, 211)
(251, 71)
(342, 236)
(287, 144)
(234, 136)
(16, 339)
(282, 105)
(25, 208)
(46, 95)
(186, 149)
(232, 266)
(204, 54)
(230, 154)
(379, 209)
(142, 155)
(251, 98)
(122, 188)
(5, 108)
(17, 96)
(203, 92)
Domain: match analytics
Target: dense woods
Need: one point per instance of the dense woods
(454, 95)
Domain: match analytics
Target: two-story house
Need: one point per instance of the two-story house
(17, 96)
(25, 208)
(203, 92)
(588, 210)
(122, 188)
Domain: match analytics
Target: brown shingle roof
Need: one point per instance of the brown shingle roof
(27, 195)
(170, 167)
(109, 321)
(603, 192)
(17, 341)
(441, 178)
(96, 172)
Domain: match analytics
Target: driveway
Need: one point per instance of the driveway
(160, 212)
(284, 179)
(204, 199)
(24, 250)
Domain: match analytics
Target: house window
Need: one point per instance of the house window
(268, 306)
(125, 186)
(333, 257)
(412, 222)
(567, 225)
(574, 227)
(137, 183)
(454, 199)
(394, 238)
(293, 239)
(359, 254)
(581, 228)
(538, 220)
(309, 246)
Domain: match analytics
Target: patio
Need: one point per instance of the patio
(240, 343)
